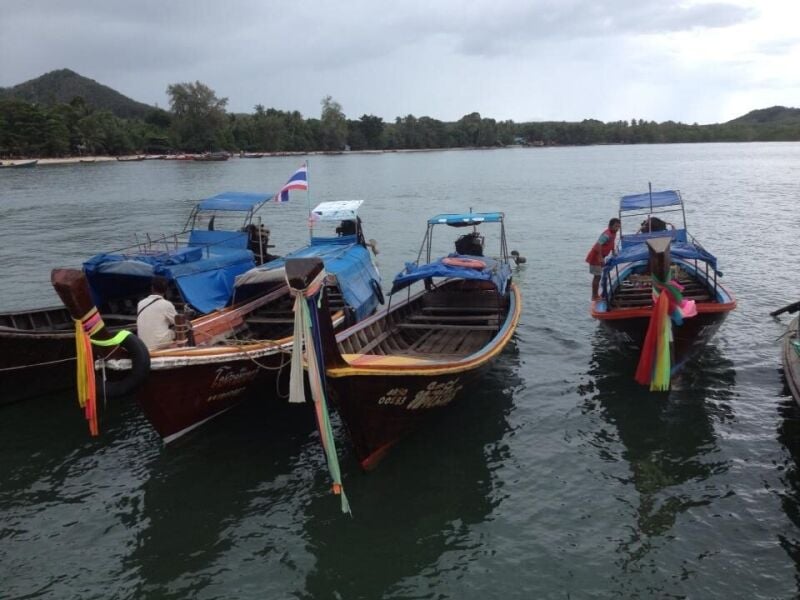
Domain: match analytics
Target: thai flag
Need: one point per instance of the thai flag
(298, 181)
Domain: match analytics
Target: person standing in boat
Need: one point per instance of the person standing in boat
(155, 316)
(597, 255)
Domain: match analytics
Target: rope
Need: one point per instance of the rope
(41, 364)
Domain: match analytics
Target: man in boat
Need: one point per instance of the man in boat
(597, 255)
(155, 316)
(651, 224)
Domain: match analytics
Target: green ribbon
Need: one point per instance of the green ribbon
(114, 341)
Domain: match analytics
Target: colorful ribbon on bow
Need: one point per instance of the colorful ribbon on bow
(85, 328)
(669, 306)
(306, 321)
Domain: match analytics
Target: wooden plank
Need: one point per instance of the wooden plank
(453, 318)
(425, 342)
(266, 320)
(375, 341)
(460, 309)
(448, 327)
(456, 340)
(444, 342)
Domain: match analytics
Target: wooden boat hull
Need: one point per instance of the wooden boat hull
(34, 364)
(379, 411)
(791, 360)
(37, 353)
(630, 308)
(187, 386)
(630, 329)
(383, 399)
(177, 400)
(23, 165)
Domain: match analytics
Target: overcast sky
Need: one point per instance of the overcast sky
(526, 60)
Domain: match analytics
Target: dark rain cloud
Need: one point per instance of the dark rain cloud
(444, 58)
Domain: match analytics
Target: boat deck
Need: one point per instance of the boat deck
(276, 320)
(439, 326)
(636, 290)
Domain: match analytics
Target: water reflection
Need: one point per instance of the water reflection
(238, 471)
(789, 437)
(668, 440)
(61, 491)
(420, 503)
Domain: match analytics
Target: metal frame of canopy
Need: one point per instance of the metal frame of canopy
(244, 202)
(652, 204)
(464, 220)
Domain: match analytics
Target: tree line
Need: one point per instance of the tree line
(199, 122)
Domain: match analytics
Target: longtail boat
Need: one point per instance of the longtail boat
(218, 357)
(23, 164)
(661, 292)
(790, 355)
(400, 367)
(791, 358)
(222, 238)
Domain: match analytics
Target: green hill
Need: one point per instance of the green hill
(63, 85)
(775, 115)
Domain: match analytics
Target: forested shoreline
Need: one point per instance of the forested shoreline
(199, 122)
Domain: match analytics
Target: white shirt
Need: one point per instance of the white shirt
(154, 316)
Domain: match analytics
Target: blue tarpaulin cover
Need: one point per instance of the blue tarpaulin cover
(241, 201)
(639, 252)
(646, 201)
(221, 240)
(462, 219)
(204, 277)
(679, 235)
(349, 261)
(494, 271)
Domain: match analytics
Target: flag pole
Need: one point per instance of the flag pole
(308, 201)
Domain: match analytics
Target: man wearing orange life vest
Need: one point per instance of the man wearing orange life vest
(598, 253)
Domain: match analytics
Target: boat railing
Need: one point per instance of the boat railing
(156, 245)
(149, 245)
(613, 279)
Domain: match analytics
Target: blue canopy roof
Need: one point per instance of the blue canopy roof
(241, 201)
(495, 271)
(349, 261)
(204, 276)
(654, 200)
(639, 252)
(460, 220)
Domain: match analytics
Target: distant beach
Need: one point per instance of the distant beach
(101, 159)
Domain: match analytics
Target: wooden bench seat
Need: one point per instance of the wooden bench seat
(269, 320)
(453, 318)
(447, 326)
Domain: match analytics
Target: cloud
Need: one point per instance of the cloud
(555, 59)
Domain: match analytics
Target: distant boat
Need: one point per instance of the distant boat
(22, 165)
(86, 161)
(661, 259)
(251, 155)
(212, 156)
(130, 158)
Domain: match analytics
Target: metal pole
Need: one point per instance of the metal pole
(308, 201)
